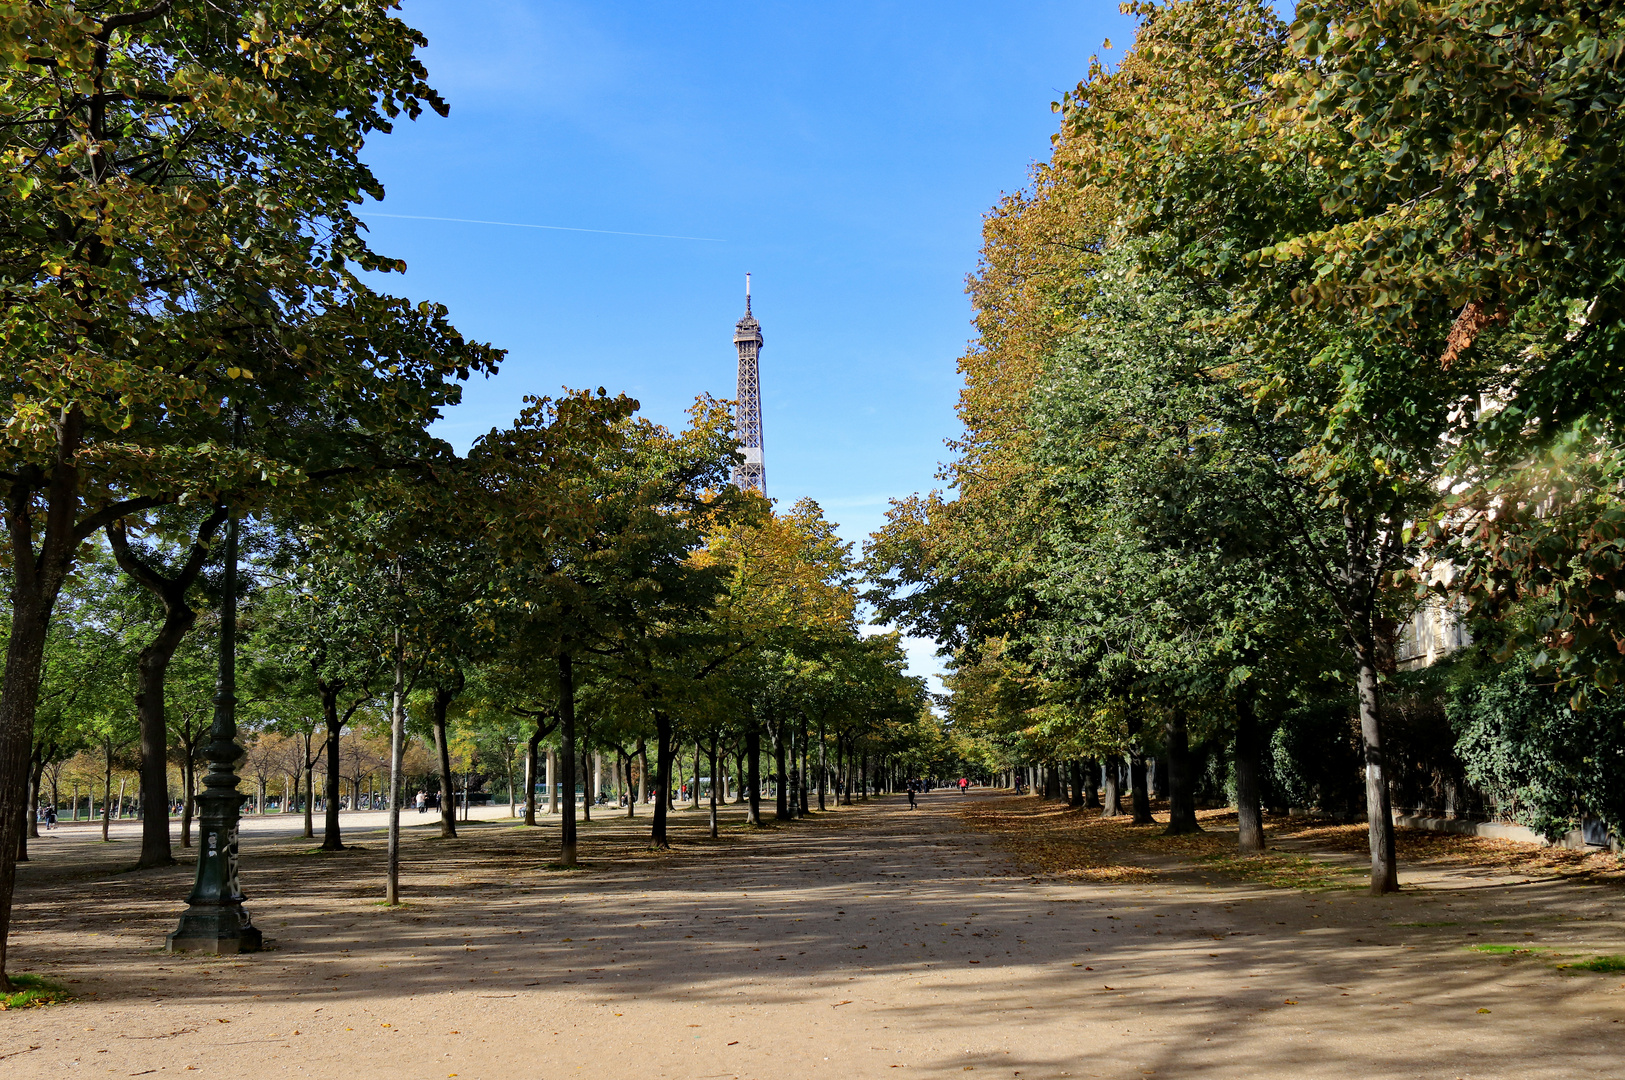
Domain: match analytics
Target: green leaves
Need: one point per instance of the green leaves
(191, 240)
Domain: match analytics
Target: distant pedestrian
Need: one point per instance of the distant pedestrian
(912, 788)
(50, 817)
(964, 785)
(423, 802)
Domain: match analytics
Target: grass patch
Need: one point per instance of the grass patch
(1284, 871)
(1602, 965)
(1605, 965)
(33, 991)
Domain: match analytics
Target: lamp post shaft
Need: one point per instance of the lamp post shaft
(214, 920)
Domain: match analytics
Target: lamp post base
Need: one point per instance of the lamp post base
(224, 931)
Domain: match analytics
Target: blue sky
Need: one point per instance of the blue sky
(843, 153)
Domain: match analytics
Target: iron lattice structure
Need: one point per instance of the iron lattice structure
(752, 475)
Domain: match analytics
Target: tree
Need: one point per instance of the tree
(1186, 141)
(320, 639)
(170, 585)
(178, 241)
(188, 714)
(1171, 574)
(789, 585)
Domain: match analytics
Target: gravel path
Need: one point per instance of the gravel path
(864, 941)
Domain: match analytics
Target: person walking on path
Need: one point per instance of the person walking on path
(50, 817)
(913, 786)
(964, 785)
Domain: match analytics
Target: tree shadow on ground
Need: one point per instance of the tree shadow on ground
(951, 932)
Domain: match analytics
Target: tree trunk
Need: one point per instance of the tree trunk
(567, 757)
(397, 752)
(531, 745)
(1139, 796)
(631, 791)
(1074, 775)
(188, 793)
(310, 788)
(107, 789)
(803, 772)
(589, 787)
(1112, 803)
(843, 765)
(753, 773)
(1091, 788)
(448, 794)
(693, 779)
(30, 823)
(1379, 815)
(781, 804)
(1181, 781)
(1249, 769)
(331, 841)
(31, 601)
(508, 763)
(663, 763)
(36, 773)
(823, 765)
(552, 781)
(643, 770)
(152, 665)
(713, 762)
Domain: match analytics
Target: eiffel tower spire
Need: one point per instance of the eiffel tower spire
(752, 475)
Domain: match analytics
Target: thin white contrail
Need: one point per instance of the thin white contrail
(555, 228)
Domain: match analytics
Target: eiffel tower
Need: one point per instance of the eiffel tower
(752, 475)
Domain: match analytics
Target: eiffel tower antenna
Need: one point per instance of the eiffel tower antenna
(752, 475)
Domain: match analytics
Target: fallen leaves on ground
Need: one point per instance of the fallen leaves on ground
(1056, 839)
(1458, 851)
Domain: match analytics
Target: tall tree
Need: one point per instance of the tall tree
(170, 585)
(1188, 138)
(179, 244)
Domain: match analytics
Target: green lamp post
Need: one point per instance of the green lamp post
(214, 920)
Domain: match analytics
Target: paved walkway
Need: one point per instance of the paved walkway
(867, 941)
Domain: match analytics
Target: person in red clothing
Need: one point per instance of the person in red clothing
(964, 784)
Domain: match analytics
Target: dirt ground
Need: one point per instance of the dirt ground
(979, 933)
